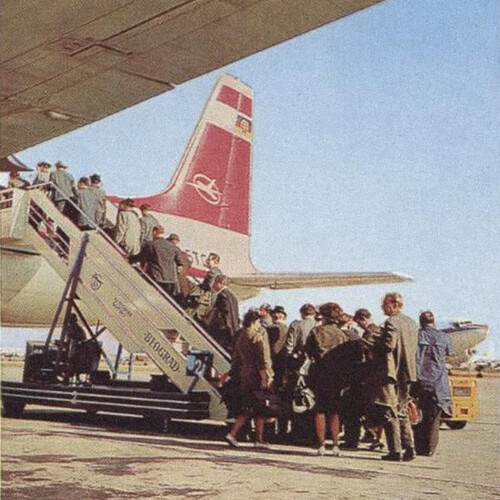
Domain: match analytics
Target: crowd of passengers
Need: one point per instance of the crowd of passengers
(335, 370)
(362, 377)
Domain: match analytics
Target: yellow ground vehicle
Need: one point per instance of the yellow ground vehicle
(465, 402)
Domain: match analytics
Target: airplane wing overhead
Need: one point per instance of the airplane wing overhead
(285, 281)
(68, 64)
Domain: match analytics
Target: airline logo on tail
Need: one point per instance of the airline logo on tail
(206, 188)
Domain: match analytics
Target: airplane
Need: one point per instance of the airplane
(88, 63)
(207, 203)
(466, 335)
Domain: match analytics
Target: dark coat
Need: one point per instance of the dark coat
(222, 321)
(162, 259)
(184, 284)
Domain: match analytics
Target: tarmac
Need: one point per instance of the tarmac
(56, 454)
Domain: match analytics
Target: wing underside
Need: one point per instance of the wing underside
(287, 281)
(68, 64)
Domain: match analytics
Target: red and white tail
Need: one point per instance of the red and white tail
(212, 181)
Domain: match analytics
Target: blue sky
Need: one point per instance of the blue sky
(376, 147)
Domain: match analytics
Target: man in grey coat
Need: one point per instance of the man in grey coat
(100, 196)
(148, 222)
(299, 330)
(161, 258)
(87, 204)
(128, 228)
(400, 337)
(64, 187)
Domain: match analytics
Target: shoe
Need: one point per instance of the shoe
(321, 451)
(262, 446)
(368, 438)
(392, 457)
(335, 451)
(408, 455)
(232, 442)
(378, 445)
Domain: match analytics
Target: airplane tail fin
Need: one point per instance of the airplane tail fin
(212, 181)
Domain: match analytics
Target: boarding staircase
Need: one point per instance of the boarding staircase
(132, 307)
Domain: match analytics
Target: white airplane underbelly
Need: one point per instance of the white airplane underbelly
(31, 290)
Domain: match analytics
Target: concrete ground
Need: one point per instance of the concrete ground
(53, 454)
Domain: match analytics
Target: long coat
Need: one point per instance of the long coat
(88, 204)
(100, 196)
(65, 182)
(128, 232)
(401, 337)
(223, 319)
(162, 259)
(148, 222)
(433, 347)
(251, 354)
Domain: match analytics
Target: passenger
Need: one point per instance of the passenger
(297, 334)
(64, 187)
(374, 399)
(161, 258)
(277, 338)
(433, 387)
(326, 388)
(348, 326)
(128, 228)
(399, 338)
(222, 321)
(185, 286)
(75, 336)
(42, 176)
(212, 262)
(251, 364)
(277, 333)
(148, 222)
(265, 315)
(87, 204)
(100, 195)
(298, 331)
(201, 299)
(16, 181)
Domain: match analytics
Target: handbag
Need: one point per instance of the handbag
(303, 397)
(413, 411)
(266, 403)
(231, 394)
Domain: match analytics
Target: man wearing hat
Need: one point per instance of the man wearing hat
(100, 196)
(276, 333)
(64, 187)
(16, 181)
(42, 175)
(184, 288)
